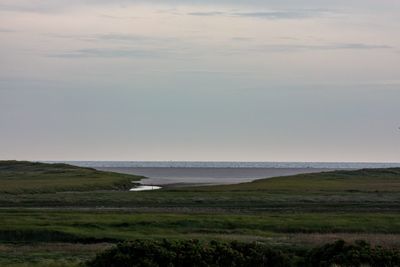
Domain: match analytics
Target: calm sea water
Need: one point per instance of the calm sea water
(212, 164)
(176, 173)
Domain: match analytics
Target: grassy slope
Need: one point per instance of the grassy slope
(18, 177)
(365, 180)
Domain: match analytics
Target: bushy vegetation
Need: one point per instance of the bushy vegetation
(193, 253)
(358, 254)
(189, 253)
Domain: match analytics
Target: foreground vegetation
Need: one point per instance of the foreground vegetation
(204, 254)
(61, 215)
(110, 226)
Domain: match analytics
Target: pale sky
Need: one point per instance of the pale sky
(300, 80)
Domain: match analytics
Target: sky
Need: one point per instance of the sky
(228, 80)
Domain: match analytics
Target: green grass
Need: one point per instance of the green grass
(366, 180)
(18, 177)
(27, 228)
(48, 254)
(74, 226)
(51, 203)
(220, 202)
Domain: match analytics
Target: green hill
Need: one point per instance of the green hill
(34, 177)
(365, 180)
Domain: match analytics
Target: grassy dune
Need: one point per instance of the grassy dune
(18, 177)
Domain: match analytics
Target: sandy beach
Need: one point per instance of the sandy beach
(208, 176)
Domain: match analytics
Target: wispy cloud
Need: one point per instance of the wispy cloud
(122, 45)
(6, 30)
(292, 14)
(273, 15)
(26, 7)
(207, 13)
(106, 53)
(238, 38)
(316, 47)
(360, 46)
(131, 37)
(114, 37)
(106, 16)
(158, 52)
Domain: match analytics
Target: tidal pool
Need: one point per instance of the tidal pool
(145, 188)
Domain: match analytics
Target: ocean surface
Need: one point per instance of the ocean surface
(182, 173)
(226, 164)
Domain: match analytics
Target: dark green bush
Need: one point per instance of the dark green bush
(193, 253)
(190, 253)
(352, 255)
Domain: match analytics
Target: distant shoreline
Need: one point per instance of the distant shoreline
(229, 164)
(177, 177)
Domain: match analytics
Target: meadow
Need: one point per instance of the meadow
(32, 177)
(59, 214)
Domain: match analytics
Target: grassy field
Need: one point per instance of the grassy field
(32, 177)
(53, 213)
(358, 191)
(48, 254)
(96, 226)
(47, 237)
(366, 180)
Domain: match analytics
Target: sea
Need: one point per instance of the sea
(231, 164)
(186, 173)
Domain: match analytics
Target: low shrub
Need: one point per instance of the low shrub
(189, 253)
(193, 253)
(358, 254)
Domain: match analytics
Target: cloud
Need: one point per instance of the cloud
(209, 13)
(6, 30)
(162, 52)
(122, 45)
(131, 37)
(273, 15)
(33, 7)
(288, 14)
(360, 46)
(311, 47)
(116, 37)
(106, 53)
(238, 38)
(106, 16)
